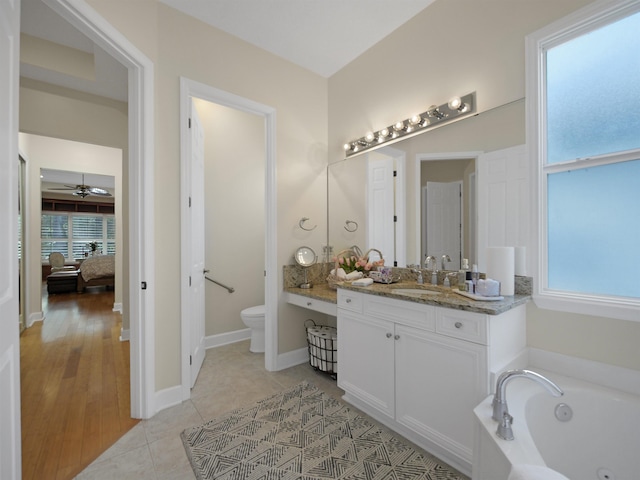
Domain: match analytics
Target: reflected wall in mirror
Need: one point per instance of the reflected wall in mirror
(366, 199)
(357, 191)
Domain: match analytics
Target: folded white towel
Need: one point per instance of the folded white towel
(363, 282)
(534, 472)
(354, 275)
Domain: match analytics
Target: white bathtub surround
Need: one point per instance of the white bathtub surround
(587, 444)
(611, 376)
(534, 472)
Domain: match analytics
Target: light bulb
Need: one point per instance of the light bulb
(415, 120)
(347, 146)
(369, 137)
(398, 126)
(455, 103)
(384, 132)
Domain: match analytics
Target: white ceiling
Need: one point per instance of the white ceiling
(320, 35)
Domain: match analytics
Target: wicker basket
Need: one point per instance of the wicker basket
(323, 347)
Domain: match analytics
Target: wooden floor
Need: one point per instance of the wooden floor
(74, 384)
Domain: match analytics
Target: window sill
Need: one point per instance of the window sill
(593, 306)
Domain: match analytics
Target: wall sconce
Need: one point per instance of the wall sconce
(435, 116)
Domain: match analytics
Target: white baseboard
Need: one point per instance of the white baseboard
(117, 307)
(611, 376)
(220, 339)
(292, 358)
(124, 335)
(35, 317)
(169, 397)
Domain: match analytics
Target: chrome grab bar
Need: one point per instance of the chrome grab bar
(229, 289)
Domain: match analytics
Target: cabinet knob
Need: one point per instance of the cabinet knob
(309, 304)
(348, 300)
(389, 335)
(397, 337)
(458, 324)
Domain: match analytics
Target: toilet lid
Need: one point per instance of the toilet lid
(257, 311)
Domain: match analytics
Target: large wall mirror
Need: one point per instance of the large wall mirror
(428, 206)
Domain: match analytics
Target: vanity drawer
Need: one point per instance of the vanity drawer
(350, 300)
(312, 304)
(469, 326)
(401, 311)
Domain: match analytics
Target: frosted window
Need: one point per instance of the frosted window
(594, 230)
(593, 93)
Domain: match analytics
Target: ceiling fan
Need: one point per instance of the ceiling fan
(84, 190)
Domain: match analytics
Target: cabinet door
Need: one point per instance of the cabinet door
(439, 381)
(365, 360)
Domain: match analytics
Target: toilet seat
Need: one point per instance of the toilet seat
(253, 312)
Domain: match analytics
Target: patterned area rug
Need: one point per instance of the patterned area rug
(304, 434)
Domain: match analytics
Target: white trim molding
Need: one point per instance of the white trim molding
(117, 307)
(214, 341)
(125, 335)
(293, 358)
(140, 173)
(35, 317)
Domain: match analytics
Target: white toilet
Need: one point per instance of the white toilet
(253, 317)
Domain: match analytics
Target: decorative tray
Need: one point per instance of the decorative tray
(482, 298)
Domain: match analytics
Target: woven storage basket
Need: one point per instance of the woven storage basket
(323, 347)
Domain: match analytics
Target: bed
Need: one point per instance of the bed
(97, 271)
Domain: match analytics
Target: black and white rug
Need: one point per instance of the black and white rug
(304, 434)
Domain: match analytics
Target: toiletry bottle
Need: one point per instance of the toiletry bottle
(434, 278)
(462, 274)
(420, 280)
(474, 276)
(446, 283)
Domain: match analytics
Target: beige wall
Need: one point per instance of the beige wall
(234, 149)
(182, 46)
(452, 48)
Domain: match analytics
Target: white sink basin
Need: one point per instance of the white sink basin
(416, 292)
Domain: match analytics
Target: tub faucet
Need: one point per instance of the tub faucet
(500, 408)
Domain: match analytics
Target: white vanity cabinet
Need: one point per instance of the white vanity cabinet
(421, 369)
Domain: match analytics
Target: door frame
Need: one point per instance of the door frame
(188, 89)
(140, 170)
(428, 157)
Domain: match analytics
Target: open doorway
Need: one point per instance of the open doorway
(265, 258)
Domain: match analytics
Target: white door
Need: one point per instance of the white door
(443, 223)
(503, 200)
(196, 252)
(10, 448)
(380, 207)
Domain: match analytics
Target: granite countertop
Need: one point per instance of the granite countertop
(447, 298)
(319, 291)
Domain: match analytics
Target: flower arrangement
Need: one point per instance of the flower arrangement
(357, 264)
(93, 246)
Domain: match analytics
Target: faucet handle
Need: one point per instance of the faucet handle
(505, 431)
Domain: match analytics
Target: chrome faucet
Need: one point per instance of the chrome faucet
(500, 408)
(427, 262)
(445, 258)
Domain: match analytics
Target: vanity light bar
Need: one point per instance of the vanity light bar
(434, 116)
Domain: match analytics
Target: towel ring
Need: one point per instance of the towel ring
(348, 228)
(301, 224)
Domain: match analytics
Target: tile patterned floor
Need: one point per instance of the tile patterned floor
(231, 377)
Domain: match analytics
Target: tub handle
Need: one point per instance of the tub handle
(504, 427)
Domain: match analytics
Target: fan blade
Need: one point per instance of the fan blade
(63, 188)
(99, 191)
